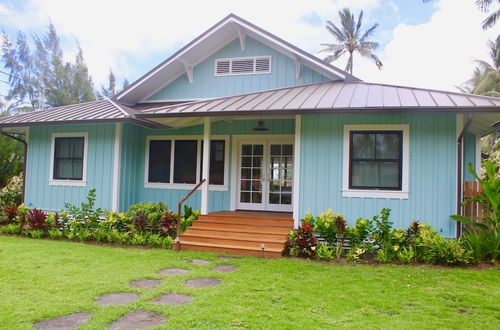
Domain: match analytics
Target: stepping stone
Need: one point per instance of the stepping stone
(173, 299)
(223, 268)
(71, 321)
(145, 284)
(201, 282)
(199, 262)
(117, 298)
(138, 320)
(228, 258)
(174, 271)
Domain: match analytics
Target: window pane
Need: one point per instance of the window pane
(68, 158)
(185, 161)
(159, 161)
(388, 145)
(77, 148)
(363, 146)
(375, 174)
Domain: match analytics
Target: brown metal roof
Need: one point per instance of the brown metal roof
(96, 111)
(339, 97)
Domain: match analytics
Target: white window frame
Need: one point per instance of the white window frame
(378, 193)
(185, 186)
(68, 182)
(231, 59)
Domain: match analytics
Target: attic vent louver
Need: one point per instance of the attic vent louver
(243, 65)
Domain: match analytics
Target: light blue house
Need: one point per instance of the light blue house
(271, 127)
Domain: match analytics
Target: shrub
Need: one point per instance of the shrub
(54, 233)
(382, 228)
(12, 193)
(188, 217)
(11, 212)
(169, 224)
(150, 215)
(324, 225)
(12, 229)
(324, 252)
(482, 238)
(302, 242)
(405, 255)
(34, 233)
(36, 220)
(483, 244)
(356, 253)
(84, 216)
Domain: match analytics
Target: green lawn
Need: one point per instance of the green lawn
(41, 279)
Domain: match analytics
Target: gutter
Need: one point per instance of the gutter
(25, 157)
(459, 172)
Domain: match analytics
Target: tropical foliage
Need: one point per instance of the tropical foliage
(375, 239)
(151, 224)
(486, 6)
(350, 39)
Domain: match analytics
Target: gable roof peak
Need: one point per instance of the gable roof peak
(208, 43)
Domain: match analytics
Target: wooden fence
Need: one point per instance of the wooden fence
(472, 210)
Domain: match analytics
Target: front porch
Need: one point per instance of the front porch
(252, 233)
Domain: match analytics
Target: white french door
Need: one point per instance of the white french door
(265, 175)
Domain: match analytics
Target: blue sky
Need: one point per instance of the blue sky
(428, 44)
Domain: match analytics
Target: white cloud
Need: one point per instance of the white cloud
(438, 54)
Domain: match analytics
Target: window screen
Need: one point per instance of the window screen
(159, 161)
(68, 158)
(185, 161)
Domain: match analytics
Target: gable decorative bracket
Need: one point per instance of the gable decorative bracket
(189, 70)
(242, 37)
(298, 68)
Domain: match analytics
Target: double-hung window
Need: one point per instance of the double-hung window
(177, 161)
(68, 159)
(376, 161)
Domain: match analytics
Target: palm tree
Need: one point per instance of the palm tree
(486, 80)
(485, 6)
(350, 40)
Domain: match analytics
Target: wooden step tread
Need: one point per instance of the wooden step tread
(232, 230)
(259, 240)
(215, 216)
(233, 247)
(239, 223)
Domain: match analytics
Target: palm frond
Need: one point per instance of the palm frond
(484, 66)
(335, 31)
(358, 26)
(368, 33)
(491, 20)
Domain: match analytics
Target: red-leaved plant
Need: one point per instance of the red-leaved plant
(302, 242)
(36, 220)
(169, 224)
(11, 212)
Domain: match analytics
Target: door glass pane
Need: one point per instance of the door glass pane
(245, 197)
(281, 173)
(258, 149)
(246, 173)
(257, 161)
(245, 185)
(256, 197)
(246, 149)
(246, 161)
(256, 185)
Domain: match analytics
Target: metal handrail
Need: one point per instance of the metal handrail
(179, 214)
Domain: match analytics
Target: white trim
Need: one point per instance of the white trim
(185, 186)
(478, 154)
(399, 194)
(115, 203)
(207, 123)
(76, 183)
(125, 113)
(232, 59)
(459, 190)
(229, 20)
(296, 172)
(266, 140)
(194, 99)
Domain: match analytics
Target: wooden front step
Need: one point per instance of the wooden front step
(231, 249)
(242, 233)
(231, 240)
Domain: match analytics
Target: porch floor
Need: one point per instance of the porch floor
(255, 233)
(255, 214)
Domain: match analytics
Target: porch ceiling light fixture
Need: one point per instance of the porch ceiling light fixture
(260, 126)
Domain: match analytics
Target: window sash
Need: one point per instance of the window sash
(176, 162)
(374, 160)
(69, 167)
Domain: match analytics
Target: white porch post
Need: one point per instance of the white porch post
(296, 172)
(205, 164)
(115, 203)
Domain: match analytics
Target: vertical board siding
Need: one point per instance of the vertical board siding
(100, 142)
(432, 177)
(469, 155)
(133, 161)
(206, 84)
